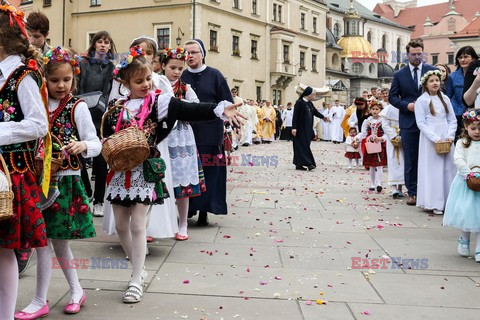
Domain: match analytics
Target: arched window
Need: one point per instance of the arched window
(369, 36)
(336, 30)
(335, 60)
(384, 42)
(354, 28)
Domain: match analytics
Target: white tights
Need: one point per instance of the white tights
(8, 283)
(351, 160)
(466, 236)
(182, 205)
(130, 224)
(376, 175)
(44, 273)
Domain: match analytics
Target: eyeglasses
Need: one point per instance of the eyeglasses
(369, 95)
(194, 52)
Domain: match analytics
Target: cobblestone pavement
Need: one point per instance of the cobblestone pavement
(291, 240)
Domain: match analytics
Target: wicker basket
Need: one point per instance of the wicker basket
(57, 159)
(396, 142)
(473, 183)
(443, 147)
(6, 197)
(125, 149)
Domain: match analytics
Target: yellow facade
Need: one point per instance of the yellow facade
(298, 24)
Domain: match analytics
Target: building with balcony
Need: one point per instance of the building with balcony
(263, 47)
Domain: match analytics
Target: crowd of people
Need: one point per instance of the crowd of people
(57, 108)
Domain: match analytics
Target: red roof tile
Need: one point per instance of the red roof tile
(471, 30)
(417, 16)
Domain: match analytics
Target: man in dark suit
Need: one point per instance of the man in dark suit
(404, 92)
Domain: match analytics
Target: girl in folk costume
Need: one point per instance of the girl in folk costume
(391, 127)
(358, 116)
(23, 121)
(437, 123)
(462, 210)
(352, 148)
(269, 118)
(186, 167)
(375, 155)
(128, 191)
(67, 209)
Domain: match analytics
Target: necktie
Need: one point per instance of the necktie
(415, 76)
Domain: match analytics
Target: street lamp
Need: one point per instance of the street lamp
(179, 39)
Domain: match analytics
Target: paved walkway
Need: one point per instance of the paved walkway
(289, 240)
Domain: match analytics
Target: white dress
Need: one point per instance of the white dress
(435, 171)
(326, 126)
(391, 128)
(336, 131)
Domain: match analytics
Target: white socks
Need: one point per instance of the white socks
(8, 283)
(44, 273)
(182, 205)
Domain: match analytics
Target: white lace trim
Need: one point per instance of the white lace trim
(138, 186)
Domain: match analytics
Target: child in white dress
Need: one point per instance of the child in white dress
(352, 148)
(436, 120)
(462, 210)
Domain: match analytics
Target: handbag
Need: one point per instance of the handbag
(373, 147)
(96, 103)
(154, 171)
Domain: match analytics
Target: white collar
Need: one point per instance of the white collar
(198, 70)
(174, 82)
(413, 67)
(305, 99)
(9, 64)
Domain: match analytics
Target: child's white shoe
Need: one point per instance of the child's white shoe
(464, 248)
(349, 167)
(437, 212)
(477, 256)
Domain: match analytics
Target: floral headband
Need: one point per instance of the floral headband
(62, 56)
(134, 53)
(430, 73)
(178, 53)
(471, 116)
(14, 14)
(376, 103)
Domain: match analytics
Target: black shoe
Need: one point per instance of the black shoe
(191, 214)
(312, 167)
(371, 189)
(301, 168)
(202, 219)
(379, 189)
(23, 259)
(245, 144)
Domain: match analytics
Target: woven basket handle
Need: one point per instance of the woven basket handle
(7, 173)
(109, 111)
(474, 167)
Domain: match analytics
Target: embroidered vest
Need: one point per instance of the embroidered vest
(375, 127)
(64, 129)
(19, 157)
(151, 126)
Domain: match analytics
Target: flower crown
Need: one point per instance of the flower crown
(15, 14)
(376, 103)
(62, 56)
(178, 53)
(134, 52)
(430, 73)
(471, 116)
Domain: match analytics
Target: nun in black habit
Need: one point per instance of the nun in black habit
(302, 130)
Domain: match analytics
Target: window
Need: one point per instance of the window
(277, 97)
(213, 40)
(302, 21)
(254, 48)
(315, 24)
(302, 60)
(95, 3)
(314, 62)
(259, 93)
(353, 31)
(369, 36)
(254, 6)
(236, 4)
(336, 30)
(274, 12)
(235, 45)
(279, 13)
(286, 54)
(399, 51)
(357, 68)
(384, 42)
(434, 59)
(47, 3)
(163, 38)
(451, 60)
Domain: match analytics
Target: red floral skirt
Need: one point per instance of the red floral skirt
(27, 228)
(352, 155)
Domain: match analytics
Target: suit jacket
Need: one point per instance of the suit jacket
(403, 91)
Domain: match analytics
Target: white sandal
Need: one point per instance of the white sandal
(133, 294)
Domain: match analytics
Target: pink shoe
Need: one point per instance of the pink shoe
(180, 237)
(73, 308)
(42, 312)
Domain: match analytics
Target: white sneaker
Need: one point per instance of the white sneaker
(98, 210)
(349, 167)
(438, 212)
(464, 248)
(477, 256)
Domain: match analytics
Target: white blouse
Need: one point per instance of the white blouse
(467, 158)
(35, 124)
